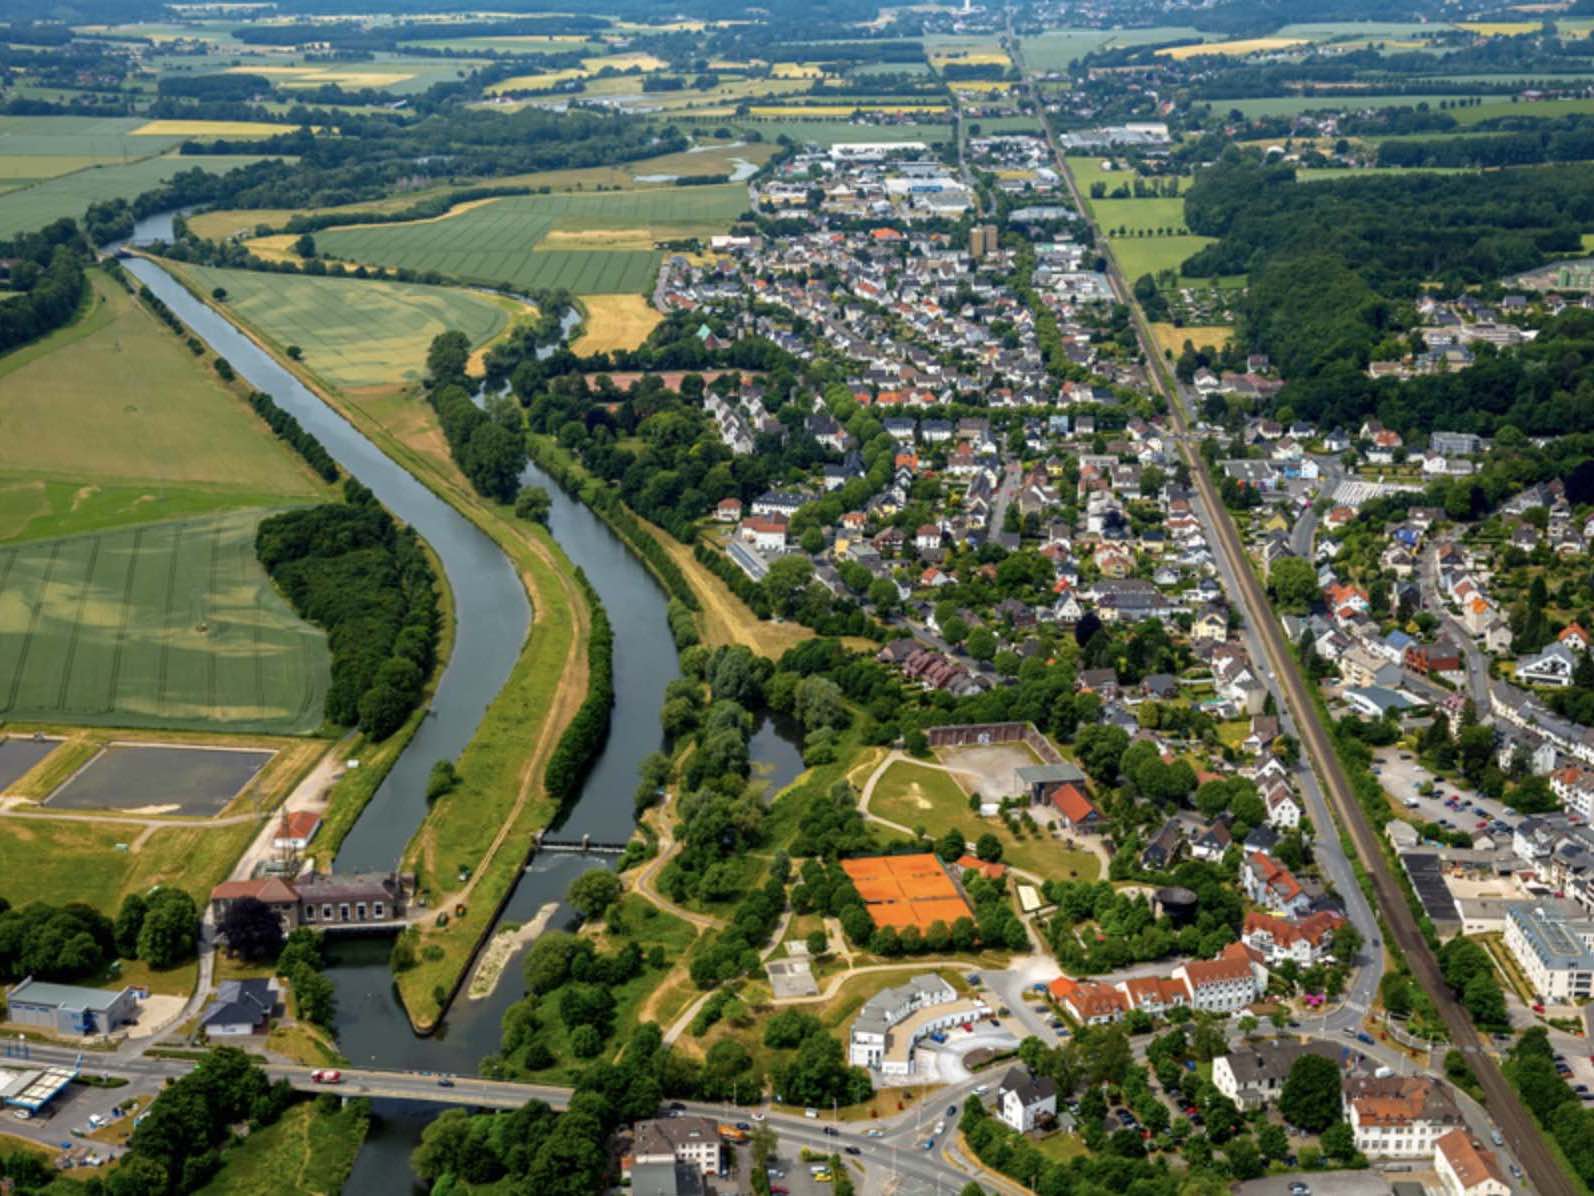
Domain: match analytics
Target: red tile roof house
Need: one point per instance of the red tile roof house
(296, 830)
(1306, 941)
(1224, 984)
(1270, 884)
(729, 510)
(1078, 812)
(1093, 1004)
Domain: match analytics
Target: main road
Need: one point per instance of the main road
(1515, 1122)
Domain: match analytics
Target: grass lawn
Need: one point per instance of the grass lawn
(1118, 217)
(92, 861)
(357, 335)
(115, 400)
(310, 1151)
(1060, 1147)
(1056, 48)
(913, 795)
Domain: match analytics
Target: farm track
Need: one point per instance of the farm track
(1516, 1123)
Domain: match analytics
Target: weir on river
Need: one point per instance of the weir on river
(493, 618)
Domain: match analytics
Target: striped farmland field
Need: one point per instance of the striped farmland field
(589, 244)
(171, 625)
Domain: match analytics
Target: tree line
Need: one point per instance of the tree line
(349, 568)
(47, 272)
(578, 748)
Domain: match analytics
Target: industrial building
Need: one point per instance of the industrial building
(68, 1009)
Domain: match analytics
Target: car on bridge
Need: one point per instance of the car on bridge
(326, 1075)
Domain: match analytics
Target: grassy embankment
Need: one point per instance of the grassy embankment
(310, 1151)
(488, 820)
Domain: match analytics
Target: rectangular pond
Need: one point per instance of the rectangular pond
(161, 779)
(18, 756)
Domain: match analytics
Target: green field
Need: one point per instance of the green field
(95, 136)
(1136, 215)
(355, 334)
(1294, 105)
(590, 244)
(1542, 110)
(1151, 255)
(1056, 48)
(829, 132)
(111, 421)
(33, 207)
(164, 625)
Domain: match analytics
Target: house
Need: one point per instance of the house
(927, 538)
(1023, 1100)
(1466, 1169)
(1163, 851)
(1253, 1075)
(1270, 884)
(69, 1009)
(1552, 667)
(1224, 984)
(1094, 1004)
(1155, 994)
(241, 1007)
(1283, 811)
(670, 1140)
(1264, 730)
(1399, 1116)
(767, 533)
(1441, 656)
(1574, 637)
(1074, 810)
(1212, 842)
(296, 830)
(1305, 941)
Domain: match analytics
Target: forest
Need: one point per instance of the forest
(349, 568)
(47, 272)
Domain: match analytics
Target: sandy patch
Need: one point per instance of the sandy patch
(598, 238)
(616, 322)
(501, 948)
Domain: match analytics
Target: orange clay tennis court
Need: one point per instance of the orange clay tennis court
(906, 890)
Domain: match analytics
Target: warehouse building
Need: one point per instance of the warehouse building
(68, 1009)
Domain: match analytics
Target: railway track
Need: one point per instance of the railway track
(1516, 1124)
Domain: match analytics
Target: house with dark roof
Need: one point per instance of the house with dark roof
(241, 1007)
(1023, 1099)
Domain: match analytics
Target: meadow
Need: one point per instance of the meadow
(1055, 49)
(162, 625)
(589, 244)
(830, 132)
(1152, 255)
(113, 137)
(356, 335)
(1294, 105)
(30, 208)
(1541, 110)
(1138, 215)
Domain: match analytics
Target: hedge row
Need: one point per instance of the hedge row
(584, 738)
(291, 432)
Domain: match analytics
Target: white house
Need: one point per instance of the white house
(1023, 1099)
(1278, 939)
(892, 1021)
(1283, 811)
(1400, 1117)
(1466, 1169)
(1225, 984)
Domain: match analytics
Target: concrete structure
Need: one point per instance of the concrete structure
(886, 1029)
(1555, 947)
(1400, 1117)
(1254, 1075)
(32, 1088)
(1466, 1169)
(670, 1140)
(68, 1009)
(1022, 1099)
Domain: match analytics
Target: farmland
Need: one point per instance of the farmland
(211, 128)
(1055, 49)
(92, 442)
(512, 240)
(33, 207)
(355, 335)
(163, 625)
(1239, 49)
(615, 322)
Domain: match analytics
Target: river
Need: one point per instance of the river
(492, 620)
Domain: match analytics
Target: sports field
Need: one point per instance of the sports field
(357, 335)
(589, 244)
(33, 207)
(164, 625)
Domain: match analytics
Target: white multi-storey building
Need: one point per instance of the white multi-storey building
(1555, 947)
(1399, 1117)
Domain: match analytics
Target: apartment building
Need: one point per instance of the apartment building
(1400, 1117)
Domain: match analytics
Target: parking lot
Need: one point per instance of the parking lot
(1403, 777)
(83, 1123)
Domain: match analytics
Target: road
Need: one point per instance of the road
(1517, 1125)
(1477, 663)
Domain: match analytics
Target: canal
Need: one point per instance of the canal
(493, 618)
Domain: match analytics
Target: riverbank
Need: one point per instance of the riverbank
(487, 822)
(501, 949)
